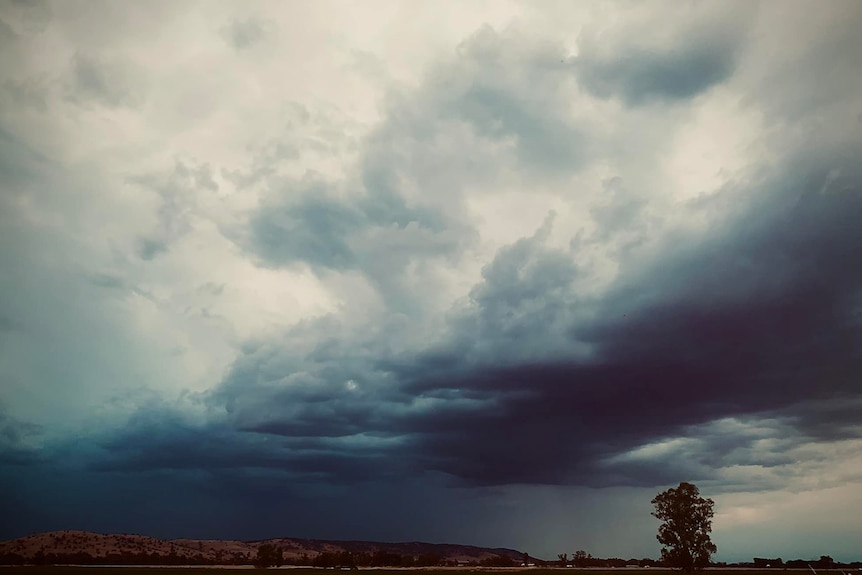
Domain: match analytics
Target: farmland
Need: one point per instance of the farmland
(175, 570)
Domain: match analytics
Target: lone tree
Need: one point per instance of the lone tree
(268, 555)
(686, 524)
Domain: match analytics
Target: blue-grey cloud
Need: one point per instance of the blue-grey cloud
(530, 389)
(738, 322)
(500, 87)
(699, 58)
(535, 381)
(506, 87)
(311, 228)
(16, 447)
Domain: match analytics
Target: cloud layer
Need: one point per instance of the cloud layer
(535, 253)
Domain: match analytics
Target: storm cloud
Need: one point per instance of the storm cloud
(542, 253)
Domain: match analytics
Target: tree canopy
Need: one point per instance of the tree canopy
(686, 524)
(269, 555)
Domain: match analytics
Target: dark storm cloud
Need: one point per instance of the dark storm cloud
(521, 307)
(164, 441)
(15, 437)
(449, 373)
(262, 503)
(703, 333)
(756, 314)
(725, 344)
(830, 420)
(753, 320)
(698, 58)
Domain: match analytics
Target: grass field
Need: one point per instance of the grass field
(64, 570)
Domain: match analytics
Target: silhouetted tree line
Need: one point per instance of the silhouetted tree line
(267, 556)
(83, 558)
(584, 559)
(825, 562)
(346, 559)
(376, 559)
(270, 555)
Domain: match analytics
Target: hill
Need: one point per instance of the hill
(87, 547)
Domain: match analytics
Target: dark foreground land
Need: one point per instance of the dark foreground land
(216, 570)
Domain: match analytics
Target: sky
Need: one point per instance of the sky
(487, 272)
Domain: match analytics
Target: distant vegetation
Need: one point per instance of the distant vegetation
(684, 533)
(267, 556)
(132, 570)
(346, 560)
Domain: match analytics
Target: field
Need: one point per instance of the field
(109, 570)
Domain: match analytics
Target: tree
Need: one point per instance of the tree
(268, 555)
(564, 559)
(687, 523)
(579, 558)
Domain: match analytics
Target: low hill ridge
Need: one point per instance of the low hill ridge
(68, 544)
